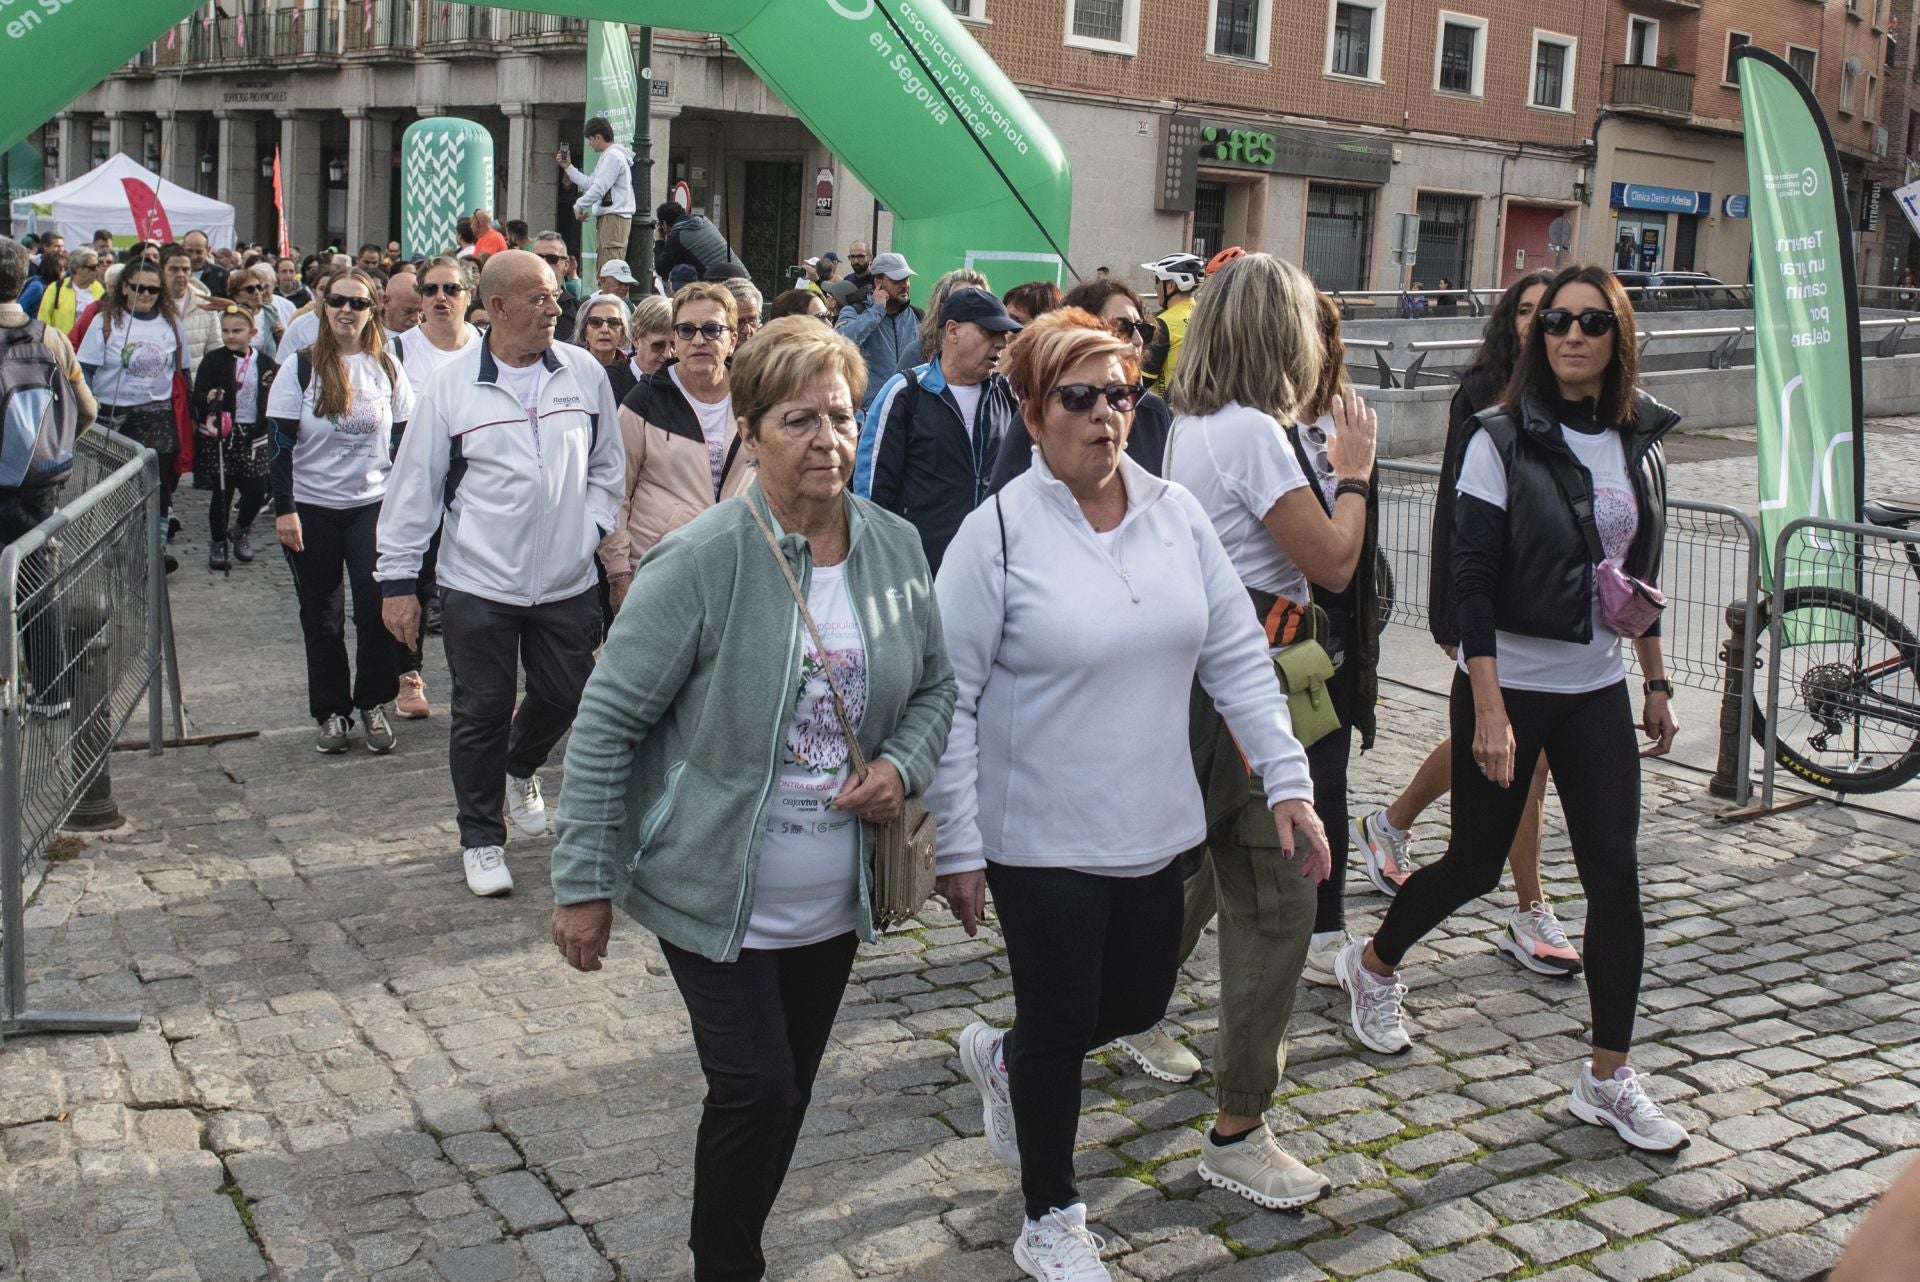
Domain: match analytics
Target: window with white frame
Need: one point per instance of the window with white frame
(1112, 26)
(1355, 29)
(1552, 71)
(1643, 41)
(1238, 28)
(970, 9)
(1873, 88)
(1848, 77)
(1730, 74)
(1460, 61)
(1804, 61)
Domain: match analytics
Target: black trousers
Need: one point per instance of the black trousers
(43, 639)
(1093, 958)
(252, 493)
(426, 588)
(1595, 760)
(486, 643)
(1327, 761)
(760, 1025)
(340, 543)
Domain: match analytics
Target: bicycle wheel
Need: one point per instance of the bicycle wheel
(1382, 587)
(1849, 691)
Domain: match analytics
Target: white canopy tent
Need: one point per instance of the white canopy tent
(98, 200)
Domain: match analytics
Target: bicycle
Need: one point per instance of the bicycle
(1850, 703)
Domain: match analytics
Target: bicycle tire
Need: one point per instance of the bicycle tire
(1835, 692)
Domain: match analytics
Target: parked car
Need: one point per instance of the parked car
(1681, 291)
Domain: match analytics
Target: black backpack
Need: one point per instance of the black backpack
(39, 415)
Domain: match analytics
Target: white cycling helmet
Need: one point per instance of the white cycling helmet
(1184, 270)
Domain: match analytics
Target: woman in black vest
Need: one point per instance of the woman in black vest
(229, 413)
(1561, 491)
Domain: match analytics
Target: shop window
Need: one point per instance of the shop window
(1240, 29)
(1446, 238)
(1460, 65)
(1552, 71)
(1353, 38)
(1339, 237)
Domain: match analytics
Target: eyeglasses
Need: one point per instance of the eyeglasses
(434, 291)
(1079, 398)
(711, 331)
(1132, 330)
(357, 303)
(601, 322)
(803, 425)
(1593, 322)
(149, 291)
(659, 344)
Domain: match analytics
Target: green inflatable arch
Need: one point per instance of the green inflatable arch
(896, 88)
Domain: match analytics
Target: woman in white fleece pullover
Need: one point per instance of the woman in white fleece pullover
(1079, 606)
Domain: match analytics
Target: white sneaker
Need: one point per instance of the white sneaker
(1536, 940)
(980, 1058)
(1159, 1055)
(487, 872)
(525, 804)
(1320, 957)
(1058, 1248)
(1374, 1006)
(1385, 852)
(1621, 1104)
(1259, 1170)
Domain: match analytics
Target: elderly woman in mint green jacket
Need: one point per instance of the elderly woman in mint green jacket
(709, 791)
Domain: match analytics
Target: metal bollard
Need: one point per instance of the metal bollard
(1733, 695)
(96, 811)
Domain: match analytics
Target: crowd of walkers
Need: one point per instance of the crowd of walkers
(1087, 575)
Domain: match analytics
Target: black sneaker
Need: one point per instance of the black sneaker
(243, 544)
(173, 562)
(173, 527)
(217, 558)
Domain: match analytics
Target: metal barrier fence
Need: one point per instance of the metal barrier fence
(1710, 573)
(1843, 669)
(82, 645)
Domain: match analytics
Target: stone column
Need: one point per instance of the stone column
(533, 180)
(303, 175)
(369, 178)
(76, 146)
(123, 137)
(237, 180)
(179, 150)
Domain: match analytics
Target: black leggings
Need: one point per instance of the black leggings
(1327, 760)
(252, 493)
(1595, 759)
(1093, 958)
(761, 1025)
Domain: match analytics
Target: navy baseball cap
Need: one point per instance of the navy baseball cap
(981, 308)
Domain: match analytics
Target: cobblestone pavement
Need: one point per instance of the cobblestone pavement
(348, 1067)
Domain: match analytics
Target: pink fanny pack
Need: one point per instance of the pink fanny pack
(1627, 606)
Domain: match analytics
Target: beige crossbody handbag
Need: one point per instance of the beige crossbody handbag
(902, 880)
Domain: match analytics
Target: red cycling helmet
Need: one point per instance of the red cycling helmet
(1224, 257)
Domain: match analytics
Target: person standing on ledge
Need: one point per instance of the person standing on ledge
(607, 197)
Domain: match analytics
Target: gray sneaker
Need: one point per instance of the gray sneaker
(1158, 1055)
(1374, 1002)
(1257, 1169)
(1620, 1103)
(333, 735)
(380, 737)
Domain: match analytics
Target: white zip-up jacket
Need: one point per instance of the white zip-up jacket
(610, 190)
(525, 500)
(1075, 659)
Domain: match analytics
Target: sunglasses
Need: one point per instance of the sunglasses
(149, 291)
(1129, 329)
(1317, 439)
(711, 331)
(1593, 322)
(349, 300)
(601, 322)
(249, 289)
(552, 260)
(659, 344)
(1079, 398)
(434, 291)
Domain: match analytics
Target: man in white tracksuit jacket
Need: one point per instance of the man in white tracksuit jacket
(515, 444)
(608, 195)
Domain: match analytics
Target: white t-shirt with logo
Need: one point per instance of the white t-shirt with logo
(716, 424)
(1238, 462)
(343, 462)
(524, 383)
(136, 360)
(1536, 663)
(808, 887)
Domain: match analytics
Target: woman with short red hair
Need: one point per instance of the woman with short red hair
(1079, 607)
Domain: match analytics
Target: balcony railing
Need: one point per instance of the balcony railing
(541, 28)
(1637, 87)
(393, 30)
(456, 24)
